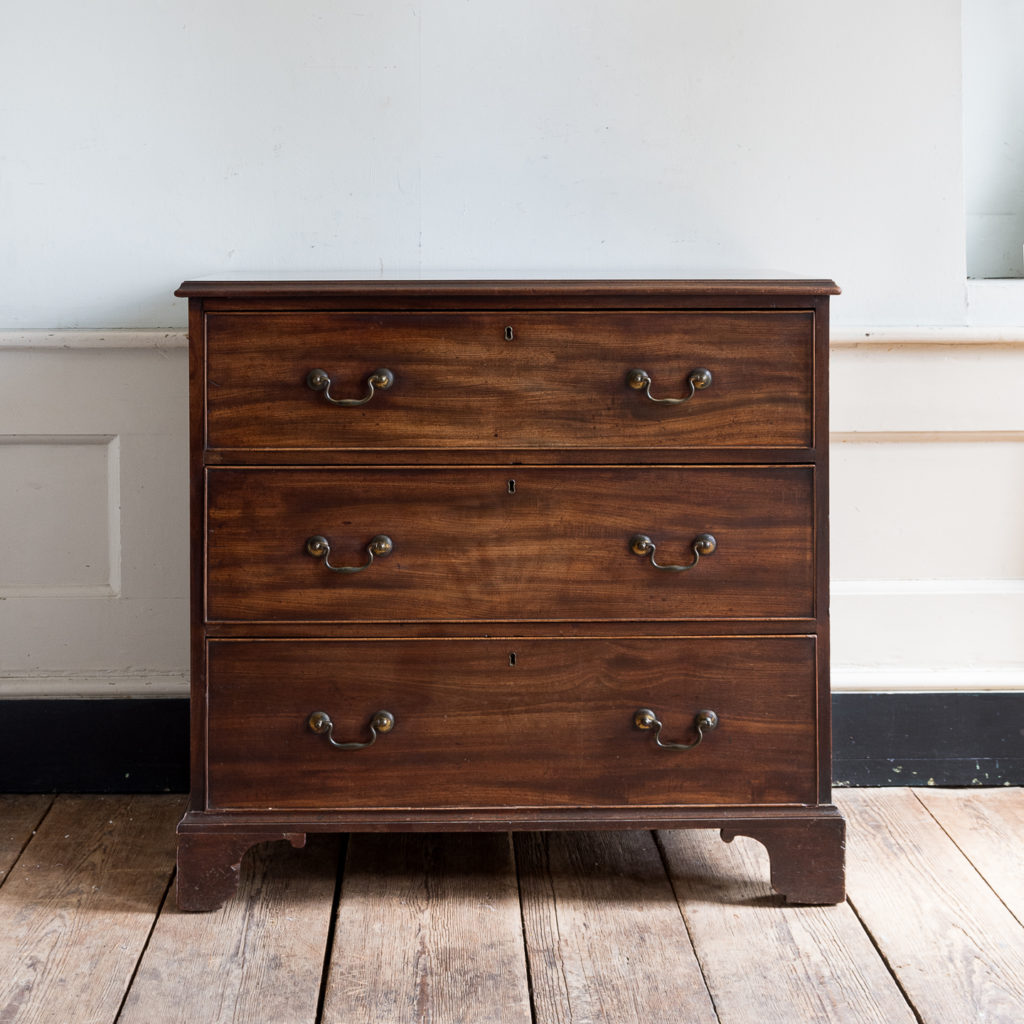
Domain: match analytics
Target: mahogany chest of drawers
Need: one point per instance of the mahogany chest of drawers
(509, 555)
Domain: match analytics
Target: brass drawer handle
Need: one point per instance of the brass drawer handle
(704, 721)
(703, 544)
(640, 380)
(380, 547)
(381, 722)
(379, 380)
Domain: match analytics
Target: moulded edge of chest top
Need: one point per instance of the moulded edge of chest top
(627, 292)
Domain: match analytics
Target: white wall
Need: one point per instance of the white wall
(148, 142)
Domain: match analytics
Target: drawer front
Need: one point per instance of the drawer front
(547, 544)
(509, 380)
(512, 723)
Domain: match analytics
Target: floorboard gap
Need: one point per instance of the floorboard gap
(522, 924)
(31, 835)
(686, 924)
(967, 857)
(145, 945)
(332, 925)
(885, 960)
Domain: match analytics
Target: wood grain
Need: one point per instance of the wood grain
(560, 381)
(257, 960)
(605, 939)
(19, 816)
(428, 930)
(768, 962)
(511, 463)
(988, 826)
(553, 730)
(597, 911)
(470, 545)
(79, 905)
(956, 950)
(210, 863)
(807, 856)
(421, 291)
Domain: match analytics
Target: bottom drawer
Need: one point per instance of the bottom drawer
(510, 723)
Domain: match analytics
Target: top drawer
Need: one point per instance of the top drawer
(509, 380)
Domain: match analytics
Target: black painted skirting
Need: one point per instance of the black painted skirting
(879, 739)
(928, 739)
(94, 746)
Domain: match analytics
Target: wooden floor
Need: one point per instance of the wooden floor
(613, 927)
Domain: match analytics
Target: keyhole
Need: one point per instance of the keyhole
(512, 659)
(509, 334)
(511, 487)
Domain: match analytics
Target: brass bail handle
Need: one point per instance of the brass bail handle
(320, 380)
(379, 547)
(704, 721)
(702, 545)
(699, 379)
(381, 723)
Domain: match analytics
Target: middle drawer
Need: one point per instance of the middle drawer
(537, 544)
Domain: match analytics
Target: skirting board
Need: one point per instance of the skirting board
(879, 739)
(94, 746)
(928, 739)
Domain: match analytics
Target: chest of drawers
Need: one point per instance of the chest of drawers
(509, 555)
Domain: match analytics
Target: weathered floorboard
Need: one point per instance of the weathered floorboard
(19, 816)
(767, 961)
(605, 938)
(957, 951)
(428, 929)
(257, 959)
(988, 826)
(79, 905)
(432, 928)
